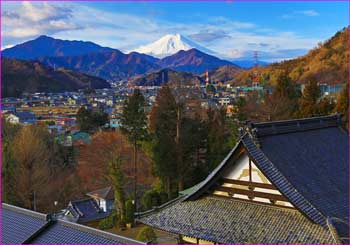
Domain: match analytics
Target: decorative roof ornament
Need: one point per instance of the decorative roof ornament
(252, 131)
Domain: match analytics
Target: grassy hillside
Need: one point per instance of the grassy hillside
(26, 76)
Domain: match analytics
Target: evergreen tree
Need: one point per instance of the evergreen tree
(88, 120)
(217, 139)
(163, 125)
(134, 125)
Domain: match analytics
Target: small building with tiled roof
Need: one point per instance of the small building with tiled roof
(284, 182)
(97, 206)
(23, 226)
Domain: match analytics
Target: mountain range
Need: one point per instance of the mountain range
(29, 76)
(45, 46)
(327, 63)
(112, 64)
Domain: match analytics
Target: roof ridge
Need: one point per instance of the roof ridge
(294, 125)
(335, 115)
(160, 207)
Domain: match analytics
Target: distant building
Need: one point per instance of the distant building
(26, 117)
(90, 210)
(225, 101)
(23, 226)
(284, 182)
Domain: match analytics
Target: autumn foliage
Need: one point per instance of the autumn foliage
(93, 161)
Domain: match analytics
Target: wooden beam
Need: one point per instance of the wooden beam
(247, 183)
(250, 171)
(250, 193)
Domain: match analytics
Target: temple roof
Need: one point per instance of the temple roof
(25, 226)
(305, 159)
(226, 220)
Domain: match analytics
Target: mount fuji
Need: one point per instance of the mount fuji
(169, 45)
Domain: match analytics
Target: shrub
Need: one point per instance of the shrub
(147, 234)
(129, 212)
(107, 223)
(150, 199)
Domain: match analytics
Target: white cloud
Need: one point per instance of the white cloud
(307, 13)
(45, 11)
(33, 19)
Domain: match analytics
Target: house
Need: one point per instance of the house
(55, 129)
(65, 121)
(26, 117)
(284, 182)
(23, 226)
(104, 198)
(224, 101)
(90, 210)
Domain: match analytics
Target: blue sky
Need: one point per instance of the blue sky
(277, 30)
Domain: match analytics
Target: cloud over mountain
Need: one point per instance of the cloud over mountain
(32, 20)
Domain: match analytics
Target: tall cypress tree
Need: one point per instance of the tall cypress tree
(134, 125)
(164, 127)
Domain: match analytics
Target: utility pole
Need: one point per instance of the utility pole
(34, 201)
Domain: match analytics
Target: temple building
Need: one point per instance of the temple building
(284, 182)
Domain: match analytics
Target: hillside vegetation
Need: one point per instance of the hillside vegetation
(25, 76)
(327, 63)
(166, 76)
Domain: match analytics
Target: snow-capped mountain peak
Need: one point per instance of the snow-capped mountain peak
(169, 45)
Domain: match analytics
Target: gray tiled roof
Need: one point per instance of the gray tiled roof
(226, 220)
(22, 226)
(86, 210)
(19, 224)
(316, 163)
